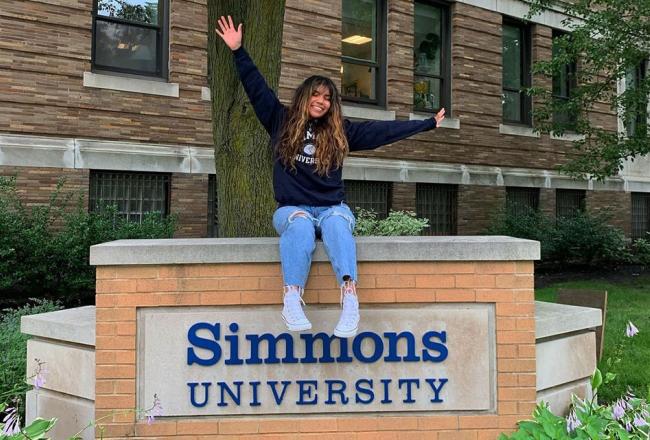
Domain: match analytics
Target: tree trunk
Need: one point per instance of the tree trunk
(243, 157)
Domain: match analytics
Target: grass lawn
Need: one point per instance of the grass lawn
(627, 300)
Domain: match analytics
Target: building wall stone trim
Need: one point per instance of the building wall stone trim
(130, 84)
(33, 151)
(518, 9)
(518, 130)
(452, 123)
(357, 112)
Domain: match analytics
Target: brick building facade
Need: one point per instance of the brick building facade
(64, 113)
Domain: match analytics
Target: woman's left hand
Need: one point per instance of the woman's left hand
(439, 117)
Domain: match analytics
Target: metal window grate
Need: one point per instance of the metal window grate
(133, 194)
(640, 215)
(439, 204)
(569, 202)
(213, 223)
(520, 200)
(368, 195)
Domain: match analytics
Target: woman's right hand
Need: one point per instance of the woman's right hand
(230, 35)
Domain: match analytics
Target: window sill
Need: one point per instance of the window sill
(206, 94)
(374, 114)
(130, 84)
(572, 137)
(451, 123)
(518, 130)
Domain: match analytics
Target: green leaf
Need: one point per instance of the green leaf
(596, 380)
(37, 429)
(609, 377)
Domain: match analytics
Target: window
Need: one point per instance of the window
(637, 119)
(363, 49)
(431, 87)
(133, 194)
(368, 195)
(213, 223)
(563, 83)
(437, 203)
(516, 73)
(640, 215)
(130, 36)
(569, 202)
(520, 201)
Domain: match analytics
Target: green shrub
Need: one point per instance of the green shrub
(588, 239)
(526, 223)
(641, 251)
(397, 223)
(13, 345)
(583, 239)
(44, 250)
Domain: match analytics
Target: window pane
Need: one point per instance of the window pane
(512, 48)
(125, 47)
(428, 39)
(426, 93)
(359, 29)
(511, 106)
(358, 81)
(213, 223)
(141, 11)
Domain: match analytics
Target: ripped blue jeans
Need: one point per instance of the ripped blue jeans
(298, 227)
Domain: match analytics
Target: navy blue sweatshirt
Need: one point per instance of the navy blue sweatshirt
(305, 186)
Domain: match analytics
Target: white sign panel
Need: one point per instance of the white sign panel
(242, 360)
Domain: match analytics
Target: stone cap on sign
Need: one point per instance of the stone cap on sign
(71, 325)
(265, 250)
(553, 319)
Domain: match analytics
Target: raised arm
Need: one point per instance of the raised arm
(373, 134)
(266, 104)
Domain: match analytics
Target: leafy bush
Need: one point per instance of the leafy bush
(583, 239)
(626, 418)
(13, 346)
(44, 250)
(397, 223)
(526, 223)
(641, 251)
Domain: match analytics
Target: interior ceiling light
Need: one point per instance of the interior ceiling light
(357, 39)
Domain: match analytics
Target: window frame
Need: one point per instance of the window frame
(639, 125)
(525, 102)
(165, 181)
(570, 70)
(379, 185)
(637, 200)
(162, 42)
(445, 59)
(443, 190)
(566, 194)
(512, 206)
(379, 64)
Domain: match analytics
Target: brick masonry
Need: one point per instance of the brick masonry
(46, 48)
(121, 290)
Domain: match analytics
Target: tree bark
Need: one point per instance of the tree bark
(243, 158)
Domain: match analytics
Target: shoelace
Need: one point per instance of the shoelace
(291, 307)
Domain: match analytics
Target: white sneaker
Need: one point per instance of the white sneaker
(292, 313)
(349, 320)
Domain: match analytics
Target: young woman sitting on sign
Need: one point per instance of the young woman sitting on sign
(310, 139)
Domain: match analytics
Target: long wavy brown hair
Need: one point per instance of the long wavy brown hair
(330, 141)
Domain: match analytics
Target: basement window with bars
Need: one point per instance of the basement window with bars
(569, 202)
(133, 194)
(521, 200)
(213, 220)
(368, 195)
(640, 215)
(438, 203)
